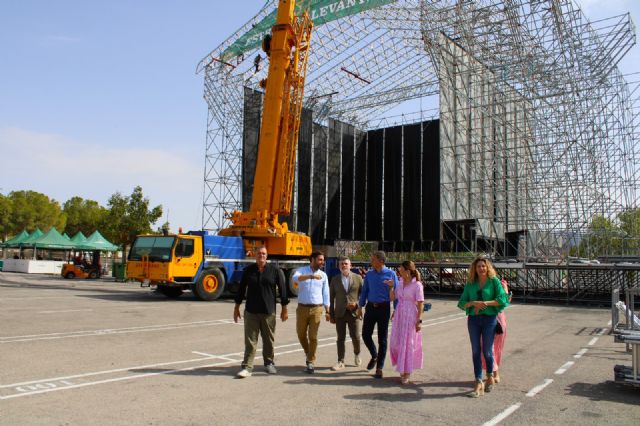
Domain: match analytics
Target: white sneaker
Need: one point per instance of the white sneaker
(338, 366)
(271, 369)
(244, 373)
(357, 361)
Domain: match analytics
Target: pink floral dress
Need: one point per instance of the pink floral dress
(406, 342)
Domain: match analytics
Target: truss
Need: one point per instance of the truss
(530, 86)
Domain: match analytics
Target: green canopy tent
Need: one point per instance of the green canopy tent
(66, 236)
(15, 241)
(79, 238)
(27, 242)
(52, 240)
(97, 242)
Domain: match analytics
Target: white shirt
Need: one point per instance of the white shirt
(345, 282)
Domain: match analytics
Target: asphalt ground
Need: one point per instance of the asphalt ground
(100, 352)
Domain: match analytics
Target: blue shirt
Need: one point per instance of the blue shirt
(312, 291)
(374, 289)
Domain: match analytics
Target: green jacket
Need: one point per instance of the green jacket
(492, 290)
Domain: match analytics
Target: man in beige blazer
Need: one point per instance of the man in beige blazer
(344, 292)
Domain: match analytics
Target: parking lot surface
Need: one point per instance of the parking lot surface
(84, 352)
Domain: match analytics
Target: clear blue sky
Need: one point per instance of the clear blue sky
(100, 96)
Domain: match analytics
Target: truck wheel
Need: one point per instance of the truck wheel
(210, 285)
(93, 275)
(171, 292)
(69, 275)
(291, 285)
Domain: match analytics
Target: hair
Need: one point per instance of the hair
(473, 275)
(315, 255)
(411, 267)
(343, 259)
(380, 255)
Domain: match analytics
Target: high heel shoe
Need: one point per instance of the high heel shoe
(478, 390)
(488, 384)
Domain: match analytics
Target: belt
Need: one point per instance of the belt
(379, 304)
(308, 305)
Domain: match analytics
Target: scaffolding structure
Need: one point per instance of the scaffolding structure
(538, 125)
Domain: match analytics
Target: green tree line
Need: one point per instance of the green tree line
(619, 236)
(124, 217)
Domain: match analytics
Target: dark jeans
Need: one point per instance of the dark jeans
(482, 328)
(376, 316)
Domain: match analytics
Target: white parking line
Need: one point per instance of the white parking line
(500, 417)
(141, 329)
(65, 311)
(534, 391)
(216, 356)
(580, 353)
(592, 341)
(63, 383)
(564, 368)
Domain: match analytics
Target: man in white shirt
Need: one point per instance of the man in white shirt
(313, 300)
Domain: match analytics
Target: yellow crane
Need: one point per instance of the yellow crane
(288, 50)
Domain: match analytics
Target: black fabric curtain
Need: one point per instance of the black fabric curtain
(375, 153)
(250, 138)
(333, 182)
(411, 206)
(319, 205)
(346, 208)
(431, 180)
(304, 171)
(393, 184)
(360, 196)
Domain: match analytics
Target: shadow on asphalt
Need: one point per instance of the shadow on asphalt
(606, 391)
(296, 375)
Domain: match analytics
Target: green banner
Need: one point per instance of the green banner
(320, 11)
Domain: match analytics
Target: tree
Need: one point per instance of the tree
(83, 215)
(31, 210)
(128, 217)
(630, 225)
(6, 208)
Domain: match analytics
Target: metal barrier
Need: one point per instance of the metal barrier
(579, 284)
(625, 327)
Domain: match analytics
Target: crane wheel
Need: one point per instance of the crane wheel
(69, 275)
(210, 285)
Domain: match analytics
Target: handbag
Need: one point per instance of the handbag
(499, 329)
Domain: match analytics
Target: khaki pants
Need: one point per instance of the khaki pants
(264, 324)
(307, 324)
(355, 327)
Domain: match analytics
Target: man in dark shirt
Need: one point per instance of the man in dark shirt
(259, 282)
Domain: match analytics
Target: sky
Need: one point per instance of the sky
(97, 97)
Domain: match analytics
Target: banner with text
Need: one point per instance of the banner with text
(320, 12)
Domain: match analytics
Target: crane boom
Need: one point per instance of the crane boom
(288, 51)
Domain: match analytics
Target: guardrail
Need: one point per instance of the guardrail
(590, 284)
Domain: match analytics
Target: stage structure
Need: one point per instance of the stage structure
(536, 126)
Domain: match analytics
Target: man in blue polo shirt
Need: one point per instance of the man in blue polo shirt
(375, 299)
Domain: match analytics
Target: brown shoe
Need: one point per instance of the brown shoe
(378, 374)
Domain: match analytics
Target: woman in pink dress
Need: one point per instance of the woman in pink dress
(406, 334)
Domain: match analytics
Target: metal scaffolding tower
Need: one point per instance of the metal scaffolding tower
(538, 125)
